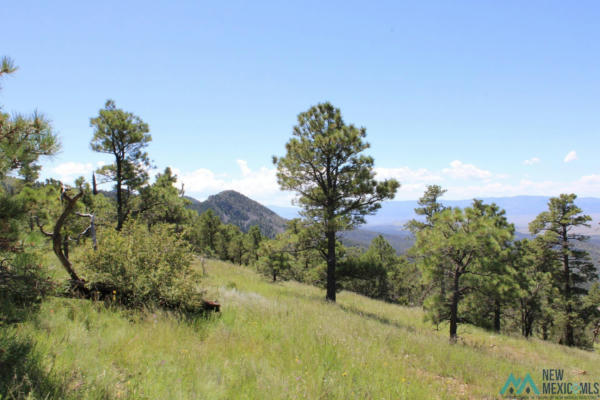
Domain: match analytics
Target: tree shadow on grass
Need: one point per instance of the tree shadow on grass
(286, 292)
(21, 372)
(22, 375)
(377, 318)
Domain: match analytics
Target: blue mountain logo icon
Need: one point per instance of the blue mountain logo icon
(519, 386)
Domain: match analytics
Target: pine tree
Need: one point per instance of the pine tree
(335, 184)
(23, 140)
(252, 242)
(556, 228)
(274, 258)
(429, 208)
(533, 266)
(459, 241)
(367, 273)
(124, 136)
(161, 202)
(498, 289)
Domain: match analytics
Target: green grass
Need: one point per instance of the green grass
(271, 341)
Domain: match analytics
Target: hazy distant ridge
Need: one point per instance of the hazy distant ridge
(519, 209)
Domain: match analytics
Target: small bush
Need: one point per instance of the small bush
(140, 267)
(23, 284)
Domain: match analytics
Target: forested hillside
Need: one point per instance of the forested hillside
(235, 208)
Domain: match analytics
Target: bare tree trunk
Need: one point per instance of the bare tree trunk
(454, 307)
(497, 315)
(331, 261)
(120, 216)
(527, 319)
(66, 246)
(91, 229)
(94, 186)
(57, 240)
(529, 326)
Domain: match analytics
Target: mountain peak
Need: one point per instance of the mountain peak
(237, 209)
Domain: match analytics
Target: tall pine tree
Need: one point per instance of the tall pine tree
(557, 229)
(457, 246)
(335, 183)
(124, 136)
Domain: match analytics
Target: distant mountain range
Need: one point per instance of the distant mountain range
(235, 208)
(520, 210)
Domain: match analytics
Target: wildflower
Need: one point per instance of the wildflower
(344, 373)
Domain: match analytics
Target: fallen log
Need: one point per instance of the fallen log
(211, 306)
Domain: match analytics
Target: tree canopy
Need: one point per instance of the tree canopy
(557, 229)
(125, 136)
(335, 183)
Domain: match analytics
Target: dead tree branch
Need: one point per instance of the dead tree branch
(91, 229)
(57, 239)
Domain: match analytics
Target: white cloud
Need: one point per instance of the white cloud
(405, 174)
(460, 170)
(69, 171)
(414, 181)
(260, 185)
(571, 156)
(244, 167)
(585, 186)
(593, 179)
(532, 161)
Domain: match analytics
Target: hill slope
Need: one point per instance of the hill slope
(272, 341)
(235, 208)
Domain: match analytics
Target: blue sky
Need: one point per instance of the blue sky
(486, 98)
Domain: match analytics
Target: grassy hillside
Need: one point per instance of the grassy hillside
(272, 341)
